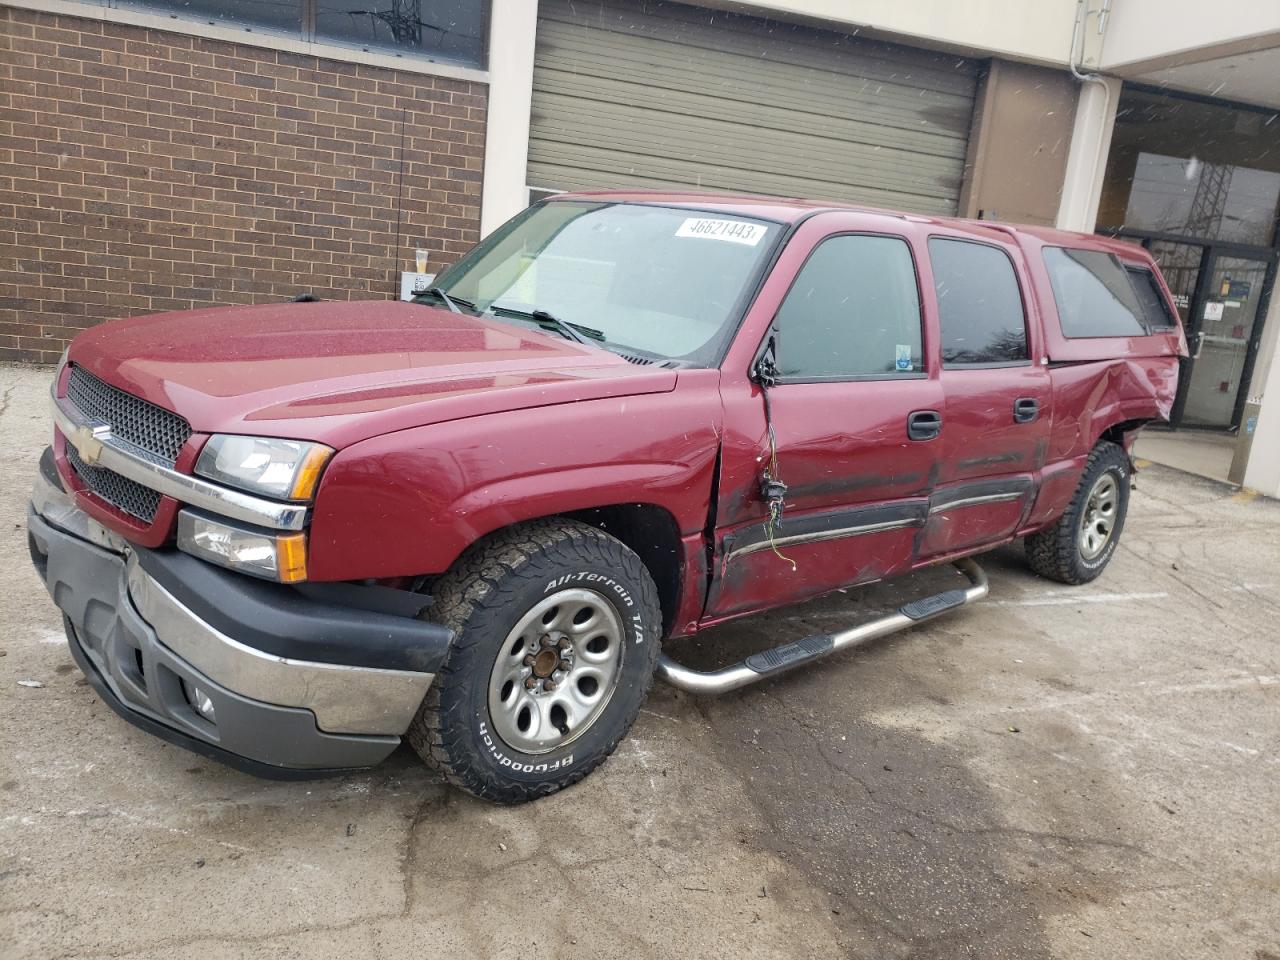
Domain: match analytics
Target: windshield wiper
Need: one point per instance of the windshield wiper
(448, 301)
(543, 318)
(574, 331)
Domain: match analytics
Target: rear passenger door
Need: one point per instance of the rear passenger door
(997, 396)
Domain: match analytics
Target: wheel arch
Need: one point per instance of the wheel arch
(650, 530)
(1122, 434)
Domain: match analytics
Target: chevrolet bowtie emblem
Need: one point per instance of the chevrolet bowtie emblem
(87, 440)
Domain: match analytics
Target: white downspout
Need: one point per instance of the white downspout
(1091, 133)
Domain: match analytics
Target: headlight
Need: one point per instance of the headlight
(262, 553)
(284, 469)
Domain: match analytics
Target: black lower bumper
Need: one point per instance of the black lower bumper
(291, 683)
(172, 735)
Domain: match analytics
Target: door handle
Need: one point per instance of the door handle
(1199, 345)
(924, 424)
(1025, 409)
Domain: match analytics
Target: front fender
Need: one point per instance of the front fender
(408, 503)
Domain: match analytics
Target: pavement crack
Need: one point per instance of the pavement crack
(409, 849)
(943, 823)
(222, 939)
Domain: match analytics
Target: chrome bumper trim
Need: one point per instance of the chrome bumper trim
(344, 699)
(98, 447)
(56, 505)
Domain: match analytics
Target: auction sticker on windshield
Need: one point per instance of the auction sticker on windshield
(734, 231)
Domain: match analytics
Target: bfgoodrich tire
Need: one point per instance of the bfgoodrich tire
(1079, 546)
(557, 632)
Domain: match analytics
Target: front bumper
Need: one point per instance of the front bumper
(301, 682)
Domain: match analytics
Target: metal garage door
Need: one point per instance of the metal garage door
(629, 94)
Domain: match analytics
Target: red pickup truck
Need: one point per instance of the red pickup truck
(287, 536)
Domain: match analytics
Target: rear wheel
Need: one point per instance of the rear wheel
(1078, 547)
(557, 631)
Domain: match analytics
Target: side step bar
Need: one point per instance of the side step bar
(778, 660)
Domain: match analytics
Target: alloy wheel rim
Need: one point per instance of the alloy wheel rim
(1098, 522)
(556, 671)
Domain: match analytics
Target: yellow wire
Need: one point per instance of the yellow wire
(773, 512)
(773, 504)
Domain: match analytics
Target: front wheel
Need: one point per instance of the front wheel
(1077, 548)
(557, 630)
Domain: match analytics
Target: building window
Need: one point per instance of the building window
(283, 17)
(853, 313)
(979, 304)
(446, 30)
(451, 29)
(1191, 169)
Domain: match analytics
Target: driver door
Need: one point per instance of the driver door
(856, 417)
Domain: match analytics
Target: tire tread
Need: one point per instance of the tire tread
(1054, 552)
(484, 579)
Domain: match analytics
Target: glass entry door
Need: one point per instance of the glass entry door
(1223, 335)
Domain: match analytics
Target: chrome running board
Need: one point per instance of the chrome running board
(770, 663)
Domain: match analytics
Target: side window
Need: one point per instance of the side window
(1094, 294)
(1155, 309)
(979, 304)
(853, 312)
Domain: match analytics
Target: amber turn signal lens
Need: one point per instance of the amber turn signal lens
(291, 557)
(307, 477)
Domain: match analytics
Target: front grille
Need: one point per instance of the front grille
(155, 433)
(152, 429)
(121, 492)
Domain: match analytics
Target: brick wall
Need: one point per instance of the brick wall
(144, 171)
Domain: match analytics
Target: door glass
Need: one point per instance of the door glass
(1227, 319)
(853, 312)
(1179, 263)
(979, 304)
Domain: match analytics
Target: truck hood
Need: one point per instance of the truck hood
(340, 372)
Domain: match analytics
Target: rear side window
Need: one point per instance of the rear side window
(852, 313)
(1155, 309)
(1094, 294)
(979, 304)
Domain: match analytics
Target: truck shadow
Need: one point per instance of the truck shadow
(869, 798)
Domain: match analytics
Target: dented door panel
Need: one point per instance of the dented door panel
(857, 491)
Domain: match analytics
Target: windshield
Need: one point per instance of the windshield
(661, 281)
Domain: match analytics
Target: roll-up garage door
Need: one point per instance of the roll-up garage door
(631, 94)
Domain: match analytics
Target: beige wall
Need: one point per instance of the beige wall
(1019, 144)
(1034, 30)
(1152, 31)
(513, 28)
(1263, 470)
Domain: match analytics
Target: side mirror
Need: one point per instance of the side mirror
(765, 370)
